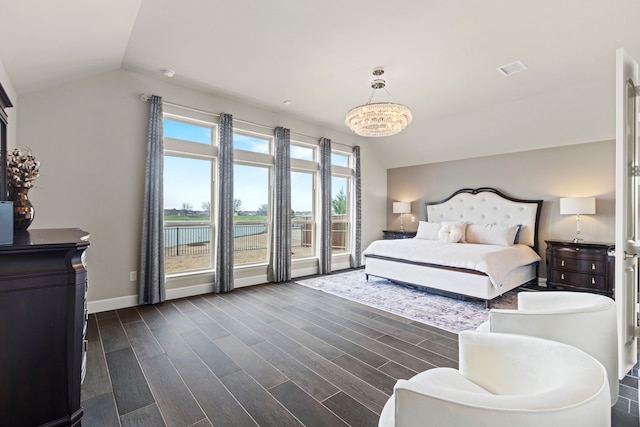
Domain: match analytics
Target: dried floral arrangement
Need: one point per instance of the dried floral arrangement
(22, 168)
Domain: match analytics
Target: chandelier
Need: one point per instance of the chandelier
(378, 118)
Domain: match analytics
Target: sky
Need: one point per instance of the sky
(189, 180)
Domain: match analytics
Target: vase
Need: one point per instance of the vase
(23, 211)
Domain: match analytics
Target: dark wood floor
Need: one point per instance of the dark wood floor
(268, 355)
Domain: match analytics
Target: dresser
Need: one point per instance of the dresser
(580, 266)
(43, 320)
(397, 234)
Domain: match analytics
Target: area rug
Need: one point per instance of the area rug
(443, 312)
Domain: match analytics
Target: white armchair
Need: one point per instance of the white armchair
(505, 380)
(583, 320)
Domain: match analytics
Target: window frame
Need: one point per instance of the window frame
(348, 173)
(174, 147)
(256, 159)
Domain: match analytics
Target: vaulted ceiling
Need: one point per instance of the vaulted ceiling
(440, 57)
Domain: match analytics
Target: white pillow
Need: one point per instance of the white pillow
(451, 232)
(463, 227)
(492, 234)
(428, 230)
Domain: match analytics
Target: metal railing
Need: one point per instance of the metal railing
(194, 238)
(186, 239)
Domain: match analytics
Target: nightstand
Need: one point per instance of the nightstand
(583, 266)
(397, 234)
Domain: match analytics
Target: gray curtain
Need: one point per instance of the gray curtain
(356, 257)
(152, 280)
(281, 210)
(325, 206)
(224, 249)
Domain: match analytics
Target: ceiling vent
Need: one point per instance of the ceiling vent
(514, 67)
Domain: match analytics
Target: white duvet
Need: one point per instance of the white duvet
(494, 261)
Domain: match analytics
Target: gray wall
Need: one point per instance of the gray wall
(547, 174)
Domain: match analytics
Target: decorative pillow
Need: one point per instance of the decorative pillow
(451, 232)
(492, 234)
(462, 225)
(428, 230)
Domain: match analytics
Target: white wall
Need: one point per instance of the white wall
(90, 138)
(12, 129)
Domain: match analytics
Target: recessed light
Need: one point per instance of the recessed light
(287, 102)
(167, 72)
(514, 67)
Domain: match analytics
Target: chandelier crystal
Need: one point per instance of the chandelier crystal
(378, 118)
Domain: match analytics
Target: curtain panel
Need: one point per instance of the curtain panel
(281, 210)
(224, 250)
(356, 254)
(325, 206)
(152, 277)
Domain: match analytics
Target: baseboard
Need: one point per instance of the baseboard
(112, 304)
(303, 272)
(132, 300)
(182, 292)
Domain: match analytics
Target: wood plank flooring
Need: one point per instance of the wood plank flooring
(267, 355)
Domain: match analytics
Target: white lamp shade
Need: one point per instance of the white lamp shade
(401, 207)
(577, 205)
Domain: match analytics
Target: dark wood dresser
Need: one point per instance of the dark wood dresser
(397, 234)
(583, 267)
(43, 282)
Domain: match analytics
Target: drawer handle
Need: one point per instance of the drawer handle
(593, 280)
(562, 263)
(593, 266)
(562, 276)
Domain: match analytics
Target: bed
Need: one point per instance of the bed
(496, 248)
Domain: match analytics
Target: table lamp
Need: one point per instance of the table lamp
(401, 208)
(577, 206)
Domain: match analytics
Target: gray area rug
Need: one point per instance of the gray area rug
(443, 312)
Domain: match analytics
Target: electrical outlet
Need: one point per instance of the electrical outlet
(413, 219)
(133, 276)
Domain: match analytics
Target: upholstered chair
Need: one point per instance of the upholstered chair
(505, 380)
(584, 320)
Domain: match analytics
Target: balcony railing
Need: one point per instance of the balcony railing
(185, 241)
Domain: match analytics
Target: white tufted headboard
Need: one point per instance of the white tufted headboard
(489, 206)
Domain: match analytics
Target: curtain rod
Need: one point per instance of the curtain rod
(145, 98)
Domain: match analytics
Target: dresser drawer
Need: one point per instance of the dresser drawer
(582, 280)
(579, 252)
(576, 264)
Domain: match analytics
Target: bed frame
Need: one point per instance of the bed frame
(479, 206)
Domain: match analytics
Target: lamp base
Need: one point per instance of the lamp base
(578, 238)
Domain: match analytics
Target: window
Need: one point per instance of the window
(251, 143)
(186, 131)
(340, 216)
(187, 214)
(251, 214)
(253, 163)
(189, 162)
(302, 152)
(303, 238)
(339, 159)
